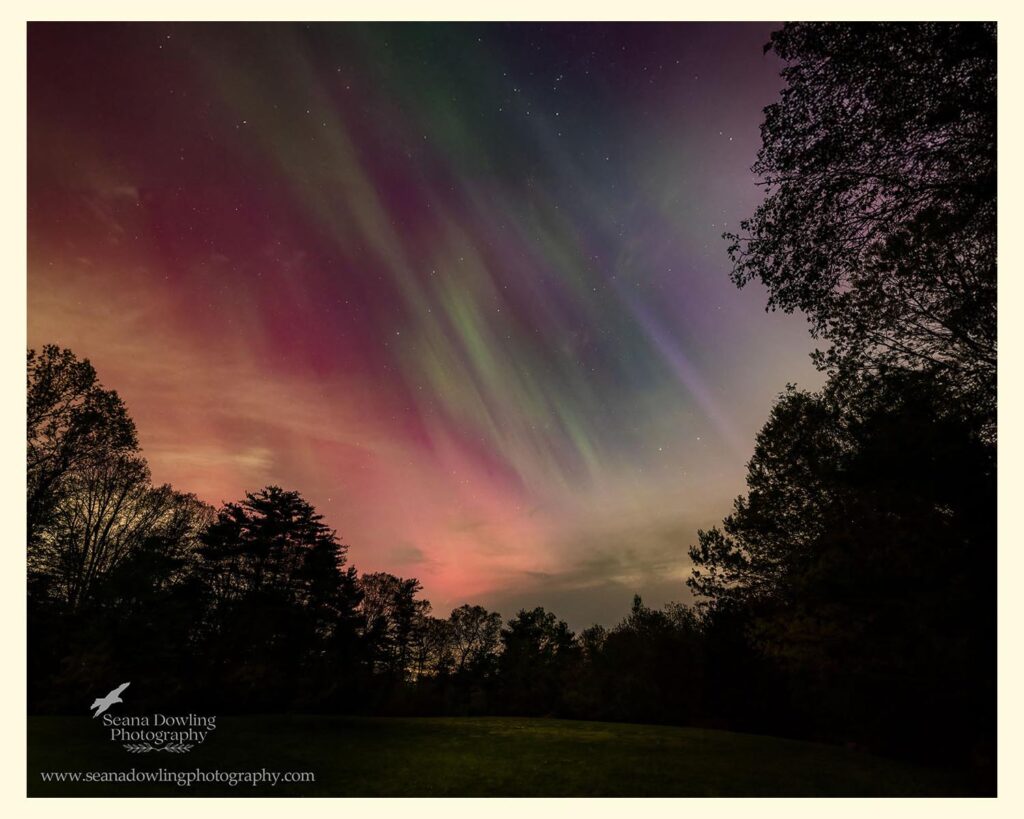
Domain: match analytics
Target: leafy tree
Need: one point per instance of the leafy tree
(434, 652)
(879, 164)
(73, 423)
(863, 556)
(394, 621)
(281, 597)
(592, 640)
(475, 638)
(110, 556)
(649, 668)
(273, 541)
(538, 652)
(109, 515)
(861, 562)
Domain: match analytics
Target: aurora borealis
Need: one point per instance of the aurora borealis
(463, 286)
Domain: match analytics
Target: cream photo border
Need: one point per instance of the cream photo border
(12, 409)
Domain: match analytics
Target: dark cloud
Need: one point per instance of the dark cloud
(650, 560)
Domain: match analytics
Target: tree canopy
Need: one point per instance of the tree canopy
(863, 554)
(72, 422)
(879, 168)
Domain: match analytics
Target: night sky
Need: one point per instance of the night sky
(463, 286)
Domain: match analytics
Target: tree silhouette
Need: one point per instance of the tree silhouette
(538, 651)
(879, 165)
(863, 557)
(73, 422)
(647, 668)
(109, 512)
(434, 654)
(110, 557)
(279, 594)
(860, 565)
(394, 621)
(475, 636)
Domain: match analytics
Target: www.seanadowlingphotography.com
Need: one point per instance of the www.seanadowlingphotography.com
(183, 779)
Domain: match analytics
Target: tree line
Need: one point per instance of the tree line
(254, 606)
(850, 594)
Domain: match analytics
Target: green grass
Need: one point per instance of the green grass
(479, 757)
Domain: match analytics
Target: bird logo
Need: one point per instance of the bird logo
(103, 703)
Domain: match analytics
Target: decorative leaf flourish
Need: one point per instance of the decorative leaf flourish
(146, 747)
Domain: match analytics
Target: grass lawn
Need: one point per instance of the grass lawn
(478, 757)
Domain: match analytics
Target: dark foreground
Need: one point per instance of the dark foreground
(476, 757)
